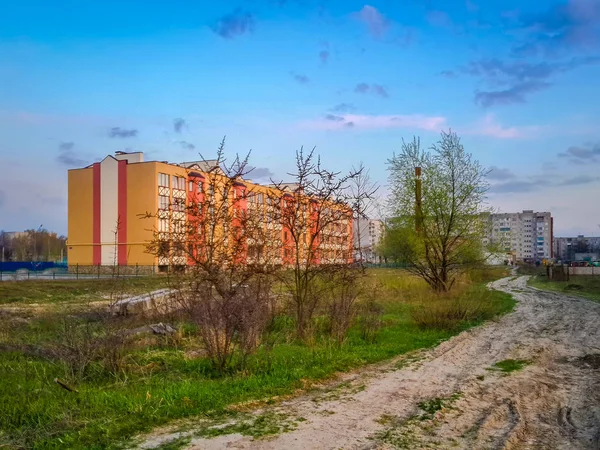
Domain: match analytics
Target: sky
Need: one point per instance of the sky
(519, 81)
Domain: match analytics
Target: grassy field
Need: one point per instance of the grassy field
(75, 291)
(166, 379)
(581, 286)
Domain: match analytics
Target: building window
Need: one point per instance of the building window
(163, 225)
(179, 226)
(163, 180)
(191, 186)
(163, 202)
(178, 183)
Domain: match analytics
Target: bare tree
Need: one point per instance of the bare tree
(316, 217)
(439, 218)
(236, 237)
(225, 289)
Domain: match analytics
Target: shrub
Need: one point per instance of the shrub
(80, 344)
(229, 317)
(343, 289)
(75, 348)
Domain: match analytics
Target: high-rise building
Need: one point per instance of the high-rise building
(118, 206)
(367, 236)
(525, 236)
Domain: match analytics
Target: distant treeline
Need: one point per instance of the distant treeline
(32, 245)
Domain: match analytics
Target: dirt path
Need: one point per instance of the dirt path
(552, 403)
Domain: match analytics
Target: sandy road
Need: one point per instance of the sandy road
(552, 403)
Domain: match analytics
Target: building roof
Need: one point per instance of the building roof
(203, 165)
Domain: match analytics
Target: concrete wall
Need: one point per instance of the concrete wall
(584, 271)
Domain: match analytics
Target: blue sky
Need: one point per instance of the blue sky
(518, 81)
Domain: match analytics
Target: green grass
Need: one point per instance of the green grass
(160, 383)
(578, 285)
(69, 291)
(510, 365)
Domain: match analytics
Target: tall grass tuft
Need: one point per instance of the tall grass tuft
(460, 309)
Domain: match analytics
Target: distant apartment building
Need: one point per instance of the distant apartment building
(526, 236)
(367, 236)
(580, 248)
(116, 207)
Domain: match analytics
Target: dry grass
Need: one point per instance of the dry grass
(454, 311)
(470, 302)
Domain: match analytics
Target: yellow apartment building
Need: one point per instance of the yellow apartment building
(117, 206)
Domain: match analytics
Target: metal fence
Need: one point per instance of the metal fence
(20, 271)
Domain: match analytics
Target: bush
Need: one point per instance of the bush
(80, 344)
(343, 289)
(229, 317)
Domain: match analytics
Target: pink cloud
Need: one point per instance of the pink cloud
(489, 126)
(374, 20)
(366, 122)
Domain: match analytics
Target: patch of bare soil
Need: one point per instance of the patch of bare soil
(454, 397)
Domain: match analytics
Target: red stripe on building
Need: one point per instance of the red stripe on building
(122, 198)
(97, 248)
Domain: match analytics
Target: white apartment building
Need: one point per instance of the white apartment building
(526, 236)
(367, 236)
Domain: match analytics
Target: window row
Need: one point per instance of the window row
(177, 182)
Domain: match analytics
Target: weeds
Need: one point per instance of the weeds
(175, 444)
(434, 405)
(370, 314)
(510, 365)
(401, 434)
(266, 424)
(453, 311)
